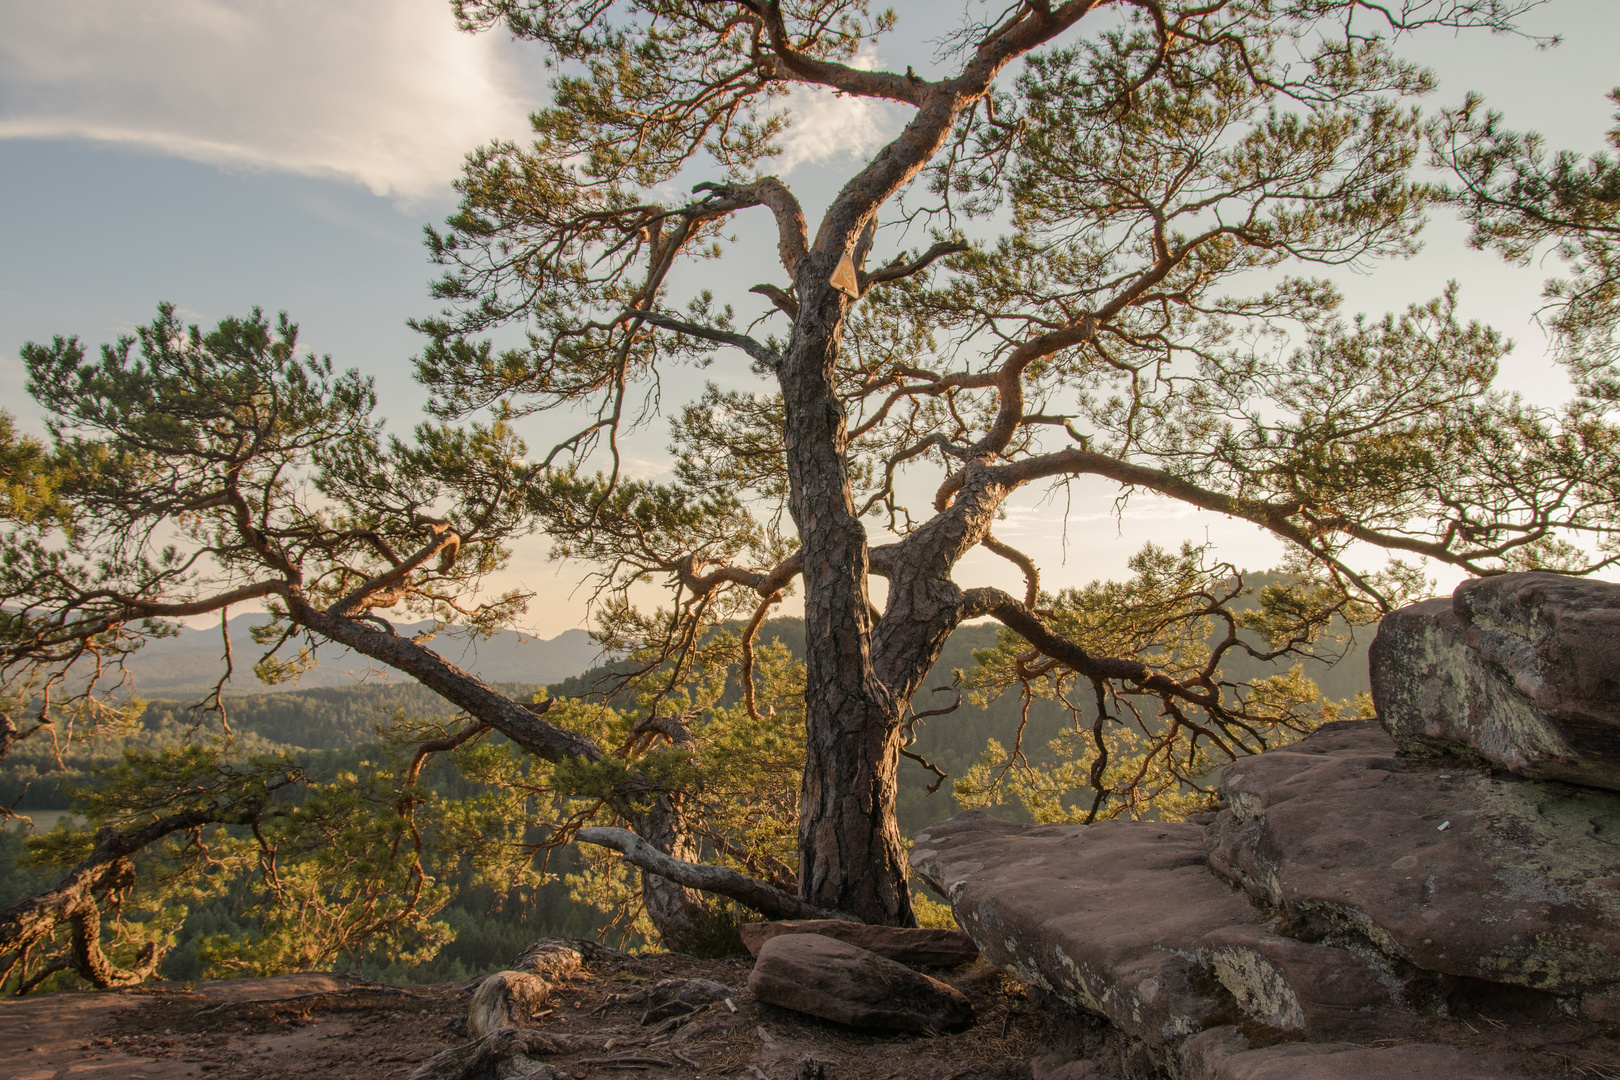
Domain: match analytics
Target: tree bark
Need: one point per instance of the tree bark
(860, 675)
(851, 857)
(676, 910)
(74, 901)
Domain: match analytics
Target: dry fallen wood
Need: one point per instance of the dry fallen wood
(722, 881)
(500, 1055)
(506, 999)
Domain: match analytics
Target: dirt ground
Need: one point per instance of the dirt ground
(305, 1027)
(297, 1027)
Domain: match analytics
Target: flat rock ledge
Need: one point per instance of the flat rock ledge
(1222, 1054)
(1519, 669)
(1322, 924)
(837, 981)
(915, 948)
(1124, 919)
(1451, 869)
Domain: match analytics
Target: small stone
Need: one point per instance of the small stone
(838, 981)
(913, 947)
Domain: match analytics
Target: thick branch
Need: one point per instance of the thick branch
(206, 606)
(838, 76)
(522, 724)
(392, 578)
(1027, 625)
(1032, 573)
(938, 106)
(778, 296)
(106, 868)
(708, 333)
(1277, 517)
(765, 583)
(720, 880)
(898, 269)
(771, 193)
(1010, 385)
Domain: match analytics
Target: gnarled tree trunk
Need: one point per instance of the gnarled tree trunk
(675, 910)
(850, 853)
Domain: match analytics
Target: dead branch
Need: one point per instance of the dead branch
(720, 880)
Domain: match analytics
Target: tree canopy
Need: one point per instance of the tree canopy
(1097, 247)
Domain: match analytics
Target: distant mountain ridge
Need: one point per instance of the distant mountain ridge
(193, 660)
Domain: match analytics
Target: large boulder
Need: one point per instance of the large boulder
(838, 981)
(1450, 868)
(1108, 917)
(1124, 919)
(1522, 670)
(913, 947)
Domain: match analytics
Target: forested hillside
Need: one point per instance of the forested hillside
(333, 730)
(191, 660)
(37, 774)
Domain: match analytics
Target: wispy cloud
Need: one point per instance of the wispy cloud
(386, 93)
(827, 126)
(383, 92)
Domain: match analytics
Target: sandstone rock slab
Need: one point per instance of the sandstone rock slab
(838, 981)
(1522, 670)
(1347, 1061)
(1295, 986)
(1455, 870)
(915, 948)
(1109, 917)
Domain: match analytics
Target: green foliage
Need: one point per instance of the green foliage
(487, 819)
(1520, 200)
(931, 913)
(221, 467)
(350, 870)
(180, 799)
(29, 477)
(1131, 752)
(1149, 194)
(734, 767)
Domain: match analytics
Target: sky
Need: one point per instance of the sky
(222, 154)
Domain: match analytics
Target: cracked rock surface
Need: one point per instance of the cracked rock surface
(1108, 917)
(1518, 669)
(1342, 835)
(1351, 912)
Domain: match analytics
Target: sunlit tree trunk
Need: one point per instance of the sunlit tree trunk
(850, 852)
